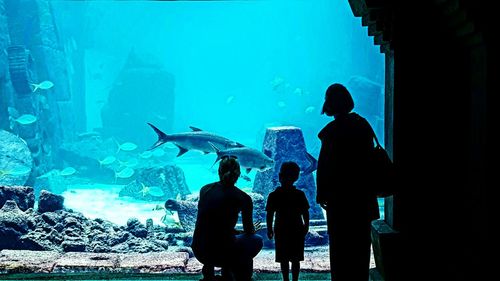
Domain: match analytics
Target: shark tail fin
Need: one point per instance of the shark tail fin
(217, 151)
(162, 137)
(313, 164)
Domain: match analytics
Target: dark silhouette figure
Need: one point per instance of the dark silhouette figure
(292, 220)
(343, 185)
(215, 240)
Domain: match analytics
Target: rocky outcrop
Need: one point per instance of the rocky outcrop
(61, 230)
(22, 195)
(13, 224)
(68, 231)
(50, 202)
(287, 144)
(15, 159)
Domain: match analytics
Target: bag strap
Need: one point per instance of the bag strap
(374, 135)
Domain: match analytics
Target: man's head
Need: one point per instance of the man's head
(229, 170)
(289, 173)
(338, 100)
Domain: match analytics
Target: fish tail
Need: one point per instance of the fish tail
(313, 164)
(217, 151)
(36, 87)
(118, 145)
(162, 137)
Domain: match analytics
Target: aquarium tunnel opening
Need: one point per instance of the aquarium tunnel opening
(118, 111)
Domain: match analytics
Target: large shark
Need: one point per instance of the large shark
(197, 139)
(249, 158)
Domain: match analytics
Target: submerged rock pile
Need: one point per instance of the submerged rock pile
(48, 226)
(51, 227)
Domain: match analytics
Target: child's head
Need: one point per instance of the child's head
(289, 173)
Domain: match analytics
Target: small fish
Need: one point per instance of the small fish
(310, 109)
(298, 91)
(26, 119)
(146, 154)
(126, 146)
(229, 99)
(68, 171)
(45, 85)
(158, 153)
(281, 104)
(170, 145)
(125, 173)
(158, 207)
(276, 82)
(4, 172)
(107, 160)
(156, 191)
(132, 162)
(20, 171)
(89, 135)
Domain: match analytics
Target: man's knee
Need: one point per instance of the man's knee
(249, 245)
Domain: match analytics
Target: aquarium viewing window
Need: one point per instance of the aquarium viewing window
(118, 112)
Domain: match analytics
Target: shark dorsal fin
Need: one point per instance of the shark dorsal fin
(195, 129)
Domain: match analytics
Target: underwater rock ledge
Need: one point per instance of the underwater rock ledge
(64, 230)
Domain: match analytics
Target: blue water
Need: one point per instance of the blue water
(233, 68)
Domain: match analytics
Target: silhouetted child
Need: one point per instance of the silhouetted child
(292, 220)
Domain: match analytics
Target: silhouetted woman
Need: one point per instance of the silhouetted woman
(343, 185)
(215, 240)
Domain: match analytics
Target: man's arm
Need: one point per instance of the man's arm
(246, 216)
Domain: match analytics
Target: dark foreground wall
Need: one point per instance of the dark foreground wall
(439, 95)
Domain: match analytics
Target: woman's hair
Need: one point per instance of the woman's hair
(338, 100)
(229, 170)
